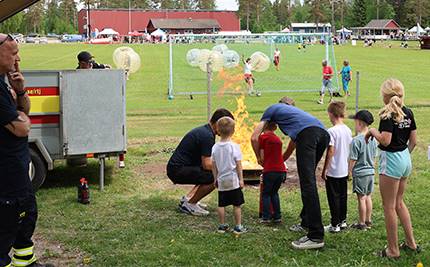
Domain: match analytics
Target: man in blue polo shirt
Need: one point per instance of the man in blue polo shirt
(191, 164)
(310, 140)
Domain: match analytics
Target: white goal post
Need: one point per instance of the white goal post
(300, 63)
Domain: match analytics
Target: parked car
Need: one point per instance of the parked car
(43, 40)
(53, 36)
(70, 38)
(32, 38)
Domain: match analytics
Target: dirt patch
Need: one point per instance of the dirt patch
(55, 253)
(158, 169)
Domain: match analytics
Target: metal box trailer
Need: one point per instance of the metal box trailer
(75, 114)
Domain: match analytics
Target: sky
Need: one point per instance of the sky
(226, 4)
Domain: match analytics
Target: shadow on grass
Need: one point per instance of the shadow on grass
(63, 176)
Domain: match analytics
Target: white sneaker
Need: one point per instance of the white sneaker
(320, 102)
(194, 209)
(307, 243)
(332, 229)
(343, 225)
(185, 199)
(297, 228)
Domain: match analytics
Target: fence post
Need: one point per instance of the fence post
(357, 90)
(209, 104)
(170, 87)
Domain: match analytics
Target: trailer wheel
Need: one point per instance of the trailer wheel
(37, 170)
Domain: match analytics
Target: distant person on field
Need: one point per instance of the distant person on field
(346, 73)
(362, 169)
(277, 58)
(397, 138)
(274, 172)
(191, 164)
(335, 170)
(249, 78)
(326, 81)
(227, 171)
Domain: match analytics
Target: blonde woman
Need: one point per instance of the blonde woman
(397, 137)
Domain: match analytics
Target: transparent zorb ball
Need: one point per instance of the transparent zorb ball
(231, 59)
(220, 48)
(260, 62)
(193, 57)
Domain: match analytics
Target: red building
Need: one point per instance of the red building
(122, 20)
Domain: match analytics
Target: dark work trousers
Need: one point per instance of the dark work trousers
(17, 224)
(272, 181)
(310, 146)
(337, 194)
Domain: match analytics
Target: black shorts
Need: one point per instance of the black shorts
(189, 175)
(233, 197)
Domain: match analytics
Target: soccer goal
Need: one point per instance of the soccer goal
(299, 68)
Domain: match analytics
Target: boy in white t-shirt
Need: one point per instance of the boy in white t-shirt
(335, 171)
(227, 171)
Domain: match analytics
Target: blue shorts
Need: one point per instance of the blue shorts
(395, 164)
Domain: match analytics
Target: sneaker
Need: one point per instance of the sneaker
(343, 225)
(359, 226)
(240, 229)
(320, 102)
(193, 209)
(369, 225)
(265, 221)
(185, 199)
(297, 228)
(222, 228)
(258, 94)
(307, 243)
(332, 229)
(277, 221)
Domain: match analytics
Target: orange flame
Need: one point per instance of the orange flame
(233, 81)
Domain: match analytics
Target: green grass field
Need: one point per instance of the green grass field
(134, 222)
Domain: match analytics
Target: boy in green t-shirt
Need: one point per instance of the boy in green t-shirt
(361, 168)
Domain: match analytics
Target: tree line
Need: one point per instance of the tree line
(60, 16)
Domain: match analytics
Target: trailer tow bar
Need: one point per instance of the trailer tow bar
(102, 159)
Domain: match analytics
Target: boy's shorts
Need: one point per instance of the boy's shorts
(395, 164)
(233, 197)
(326, 84)
(363, 185)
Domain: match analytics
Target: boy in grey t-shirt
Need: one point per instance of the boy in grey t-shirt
(361, 168)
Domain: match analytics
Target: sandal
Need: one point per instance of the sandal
(407, 248)
(383, 254)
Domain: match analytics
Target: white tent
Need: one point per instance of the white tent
(108, 31)
(286, 30)
(158, 32)
(416, 29)
(345, 30)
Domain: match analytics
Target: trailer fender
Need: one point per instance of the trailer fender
(44, 152)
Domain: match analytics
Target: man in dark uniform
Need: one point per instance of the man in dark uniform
(191, 164)
(18, 208)
(86, 61)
